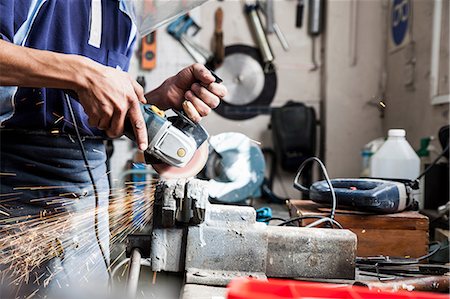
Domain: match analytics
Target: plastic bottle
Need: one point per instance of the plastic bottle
(396, 159)
(367, 153)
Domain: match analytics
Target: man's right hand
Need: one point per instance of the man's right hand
(110, 95)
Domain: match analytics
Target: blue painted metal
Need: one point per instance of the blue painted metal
(363, 194)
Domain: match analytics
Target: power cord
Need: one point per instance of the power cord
(302, 188)
(94, 186)
(320, 219)
(444, 151)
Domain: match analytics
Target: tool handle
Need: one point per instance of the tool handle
(219, 50)
(261, 38)
(299, 15)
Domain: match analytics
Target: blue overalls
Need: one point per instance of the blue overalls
(38, 147)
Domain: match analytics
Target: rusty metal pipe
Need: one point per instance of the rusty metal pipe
(426, 283)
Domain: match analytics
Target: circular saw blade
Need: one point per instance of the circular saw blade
(192, 168)
(244, 76)
(250, 89)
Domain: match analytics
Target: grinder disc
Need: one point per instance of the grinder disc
(191, 169)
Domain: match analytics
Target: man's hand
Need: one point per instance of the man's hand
(108, 97)
(193, 89)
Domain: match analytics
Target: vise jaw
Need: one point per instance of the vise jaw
(179, 203)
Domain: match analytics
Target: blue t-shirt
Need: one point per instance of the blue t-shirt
(99, 29)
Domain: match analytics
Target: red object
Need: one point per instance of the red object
(247, 288)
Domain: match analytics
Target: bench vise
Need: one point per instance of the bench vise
(214, 243)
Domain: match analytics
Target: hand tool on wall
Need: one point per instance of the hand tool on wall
(148, 51)
(148, 42)
(261, 39)
(250, 89)
(219, 50)
(316, 10)
(270, 19)
(299, 15)
(271, 25)
(179, 28)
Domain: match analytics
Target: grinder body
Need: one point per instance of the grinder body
(172, 141)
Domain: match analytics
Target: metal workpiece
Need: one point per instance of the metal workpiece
(311, 252)
(167, 251)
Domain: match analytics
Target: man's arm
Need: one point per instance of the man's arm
(107, 95)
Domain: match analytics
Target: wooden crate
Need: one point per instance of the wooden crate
(402, 234)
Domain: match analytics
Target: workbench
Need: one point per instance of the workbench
(402, 234)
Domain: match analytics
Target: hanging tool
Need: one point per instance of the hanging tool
(315, 26)
(219, 50)
(271, 25)
(266, 52)
(299, 15)
(179, 29)
(148, 51)
(372, 195)
(148, 42)
(250, 89)
(270, 19)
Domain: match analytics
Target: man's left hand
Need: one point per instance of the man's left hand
(193, 89)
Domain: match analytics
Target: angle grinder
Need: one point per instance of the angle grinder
(177, 147)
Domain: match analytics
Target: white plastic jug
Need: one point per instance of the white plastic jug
(395, 159)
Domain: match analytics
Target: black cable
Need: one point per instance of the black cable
(332, 221)
(275, 218)
(444, 151)
(365, 261)
(94, 186)
(300, 187)
(424, 257)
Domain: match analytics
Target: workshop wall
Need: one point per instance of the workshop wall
(353, 82)
(408, 95)
(296, 81)
(356, 72)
